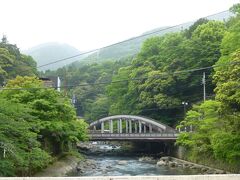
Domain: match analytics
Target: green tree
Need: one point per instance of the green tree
(13, 63)
(20, 152)
(204, 121)
(154, 85)
(117, 93)
(6, 62)
(55, 115)
(216, 134)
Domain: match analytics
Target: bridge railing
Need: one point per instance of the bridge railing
(132, 135)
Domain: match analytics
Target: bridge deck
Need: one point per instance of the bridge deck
(133, 136)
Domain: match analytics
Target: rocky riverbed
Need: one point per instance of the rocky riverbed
(109, 160)
(127, 166)
(178, 163)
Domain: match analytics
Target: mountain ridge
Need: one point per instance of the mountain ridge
(52, 51)
(127, 48)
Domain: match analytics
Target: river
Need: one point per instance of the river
(117, 165)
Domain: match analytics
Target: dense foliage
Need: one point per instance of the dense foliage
(154, 91)
(157, 88)
(13, 63)
(167, 72)
(92, 101)
(20, 150)
(36, 123)
(216, 123)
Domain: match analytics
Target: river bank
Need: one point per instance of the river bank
(107, 155)
(114, 160)
(128, 166)
(110, 159)
(60, 167)
(175, 162)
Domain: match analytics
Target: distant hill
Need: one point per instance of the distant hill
(132, 47)
(50, 52)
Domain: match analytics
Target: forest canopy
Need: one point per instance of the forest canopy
(163, 81)
(146, 85)
(216, 122)
(37, 124)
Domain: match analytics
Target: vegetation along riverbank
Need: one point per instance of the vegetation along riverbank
(163, 80)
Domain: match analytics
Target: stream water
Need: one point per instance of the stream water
(129, 166)
(113, 165)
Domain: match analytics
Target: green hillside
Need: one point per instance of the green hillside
(50, 52)
(132, 47)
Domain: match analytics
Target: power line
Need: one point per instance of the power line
(124, 41)
(149, 109)
(164, 74)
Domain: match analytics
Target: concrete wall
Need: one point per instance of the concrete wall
(187, 177)
(179, 152)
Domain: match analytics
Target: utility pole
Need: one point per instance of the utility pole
(204, 86)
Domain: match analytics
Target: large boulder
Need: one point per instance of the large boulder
(161, 163)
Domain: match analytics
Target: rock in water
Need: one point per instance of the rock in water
(122, 162)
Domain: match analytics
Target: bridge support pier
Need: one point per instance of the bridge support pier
(126, 126)
(135, 128)
(160, 130)
(102, 127)
(150, 128)
(111, 126)
(120, 126)
(130, 126)
(140, 126)
(144, 129)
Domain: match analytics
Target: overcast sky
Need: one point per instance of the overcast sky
(90, 24)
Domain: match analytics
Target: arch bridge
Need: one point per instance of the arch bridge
(129, 127)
